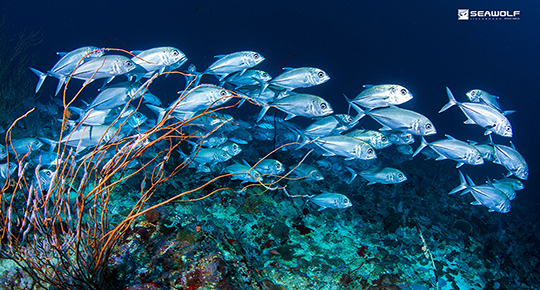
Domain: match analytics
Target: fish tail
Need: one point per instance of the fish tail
(357, 108)
(462, 186)
(41, 76)
(452, 101)
(423, 145)
(160, 112)
(300, 135)
(263, 111)
(61, 81)
(354, 174)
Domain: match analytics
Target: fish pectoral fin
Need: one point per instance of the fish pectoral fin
(371, 183)
(476, 202)
(469, 121)
(488, 132)
(322, 208)
(459, 164)
(441, 157)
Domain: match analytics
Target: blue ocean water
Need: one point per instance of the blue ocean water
(421, 45)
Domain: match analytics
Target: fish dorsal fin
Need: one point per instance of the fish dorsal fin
(61, 53)
(136, 52)
(508, 112)
(450, 137)
(287, 68)
(245, 163)
(513, 146)
(368, 86)
(219, 55)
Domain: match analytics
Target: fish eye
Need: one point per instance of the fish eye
(175, 52)
(383, 139)
(321, 74)
(508, 128)
(49, 173)
(349, 119)
(428, 126)
(403, 91)
(323, 106)
(223, 93)
(264, 74)
(256, 56)
(128, 63)
(224, 155)
(370, 151)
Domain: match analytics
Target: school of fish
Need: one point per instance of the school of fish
(217, 140)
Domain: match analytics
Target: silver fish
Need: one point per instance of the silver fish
(375, 138)
(302, 77)
(331, 200)
(248, 77)
(382, 96)
(486, 195)
(512, 160)
(67, 63)
(516, 184)
(209, 140)
(479, 96)
(3, 152)
(7, 169)
(207, 155)
(93, 117)
(486, 150)
(330, 125)
(116, 95)
(270, 167)
(159, 59)
(243, 172)
(398, 119)
(305, 105)
(400, 138)
(383, 175)
(24, 145)
(451, 148)
(107, 66)
(506, 188)
(349, 147)
(481, 114)
(87, 136)
(43, 180)
(199, 98)
(308, 172)
(234, 62)
(149, 98)
(231, 148)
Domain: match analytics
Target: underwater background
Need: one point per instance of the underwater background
(376, 243)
